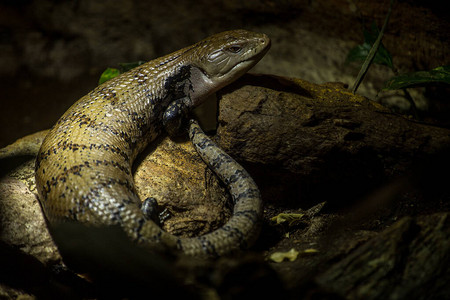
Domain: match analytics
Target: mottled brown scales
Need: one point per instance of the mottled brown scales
(83, 170)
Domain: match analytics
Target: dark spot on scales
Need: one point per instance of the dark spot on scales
(175, 84)
(208, 247)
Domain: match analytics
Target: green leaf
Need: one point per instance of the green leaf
(438, 75)
(124, 67)
(108, 74)
(360, 52)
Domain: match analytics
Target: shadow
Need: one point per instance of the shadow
(273, 82)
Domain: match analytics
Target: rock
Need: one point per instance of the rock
(22, 222)
(194, 200)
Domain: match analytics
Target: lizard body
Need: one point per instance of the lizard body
(83, 168)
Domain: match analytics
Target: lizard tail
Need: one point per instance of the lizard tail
(243, 227)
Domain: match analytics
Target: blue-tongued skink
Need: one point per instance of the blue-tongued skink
(84, 166)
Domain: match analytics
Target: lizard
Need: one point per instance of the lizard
(83, 169)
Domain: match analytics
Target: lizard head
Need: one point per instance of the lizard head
(222, 58)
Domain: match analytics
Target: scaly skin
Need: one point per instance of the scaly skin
(83, 169)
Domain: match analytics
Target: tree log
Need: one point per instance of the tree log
(319, 141)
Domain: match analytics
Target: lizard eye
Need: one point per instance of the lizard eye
(234, 48)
